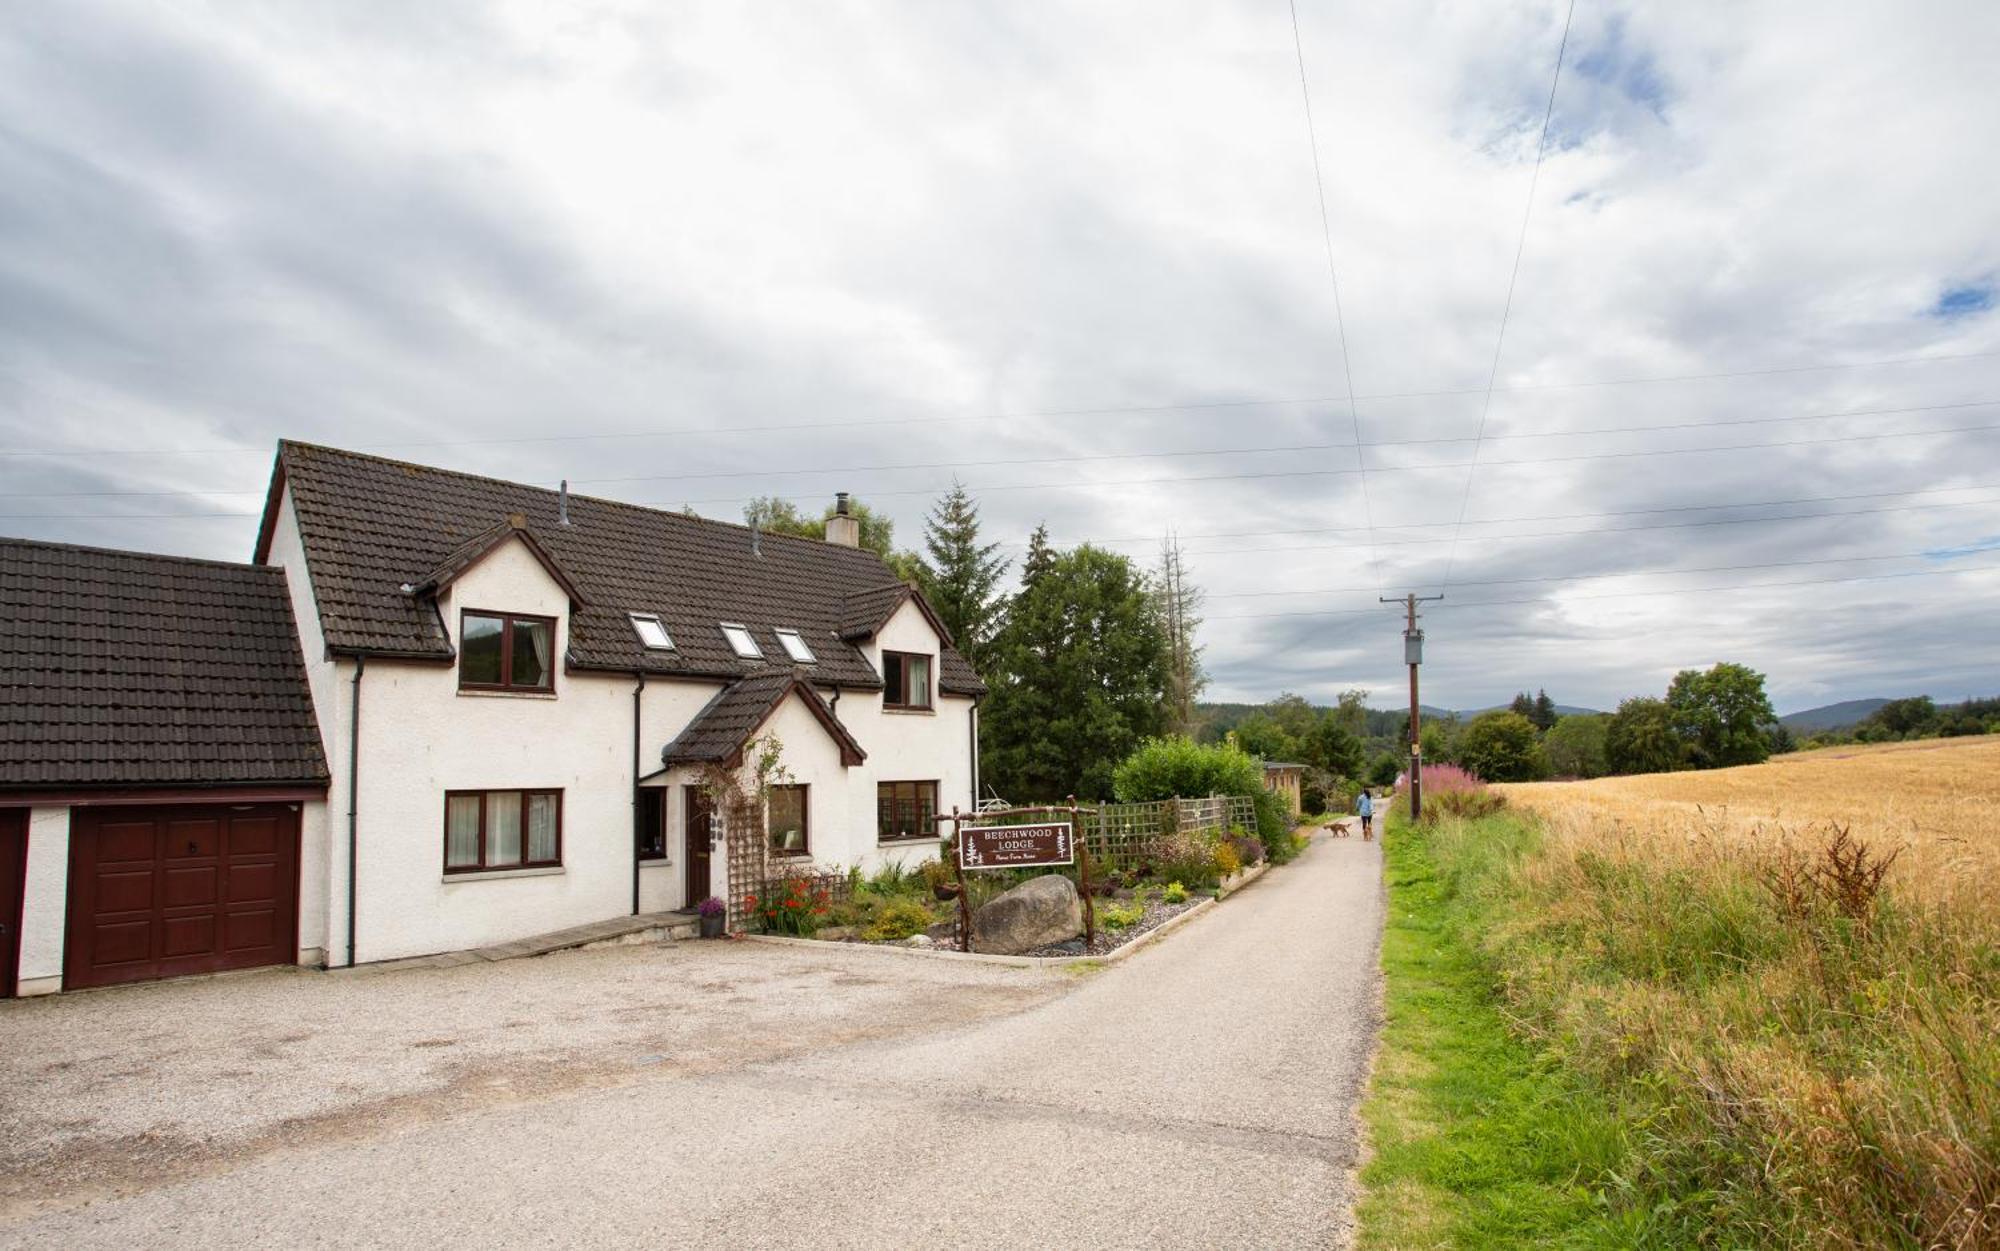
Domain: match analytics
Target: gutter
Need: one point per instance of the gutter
(637, 808)
(353, 797)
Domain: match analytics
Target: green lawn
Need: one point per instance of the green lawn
(1477, 1142)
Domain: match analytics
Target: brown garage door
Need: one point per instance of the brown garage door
(177, 889)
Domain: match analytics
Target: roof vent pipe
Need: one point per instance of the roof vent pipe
(562, 504)
(756, 540)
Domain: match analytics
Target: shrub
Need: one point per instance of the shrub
(1249, 851)
(1121, 916)
(1274, 827)
(1180, 768)
(1439, 778)
(1188, 858)
(797, 908)
(897, 920)
(1227, 862)
(1174, 894)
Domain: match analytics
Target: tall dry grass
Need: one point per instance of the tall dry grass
(1790, 973)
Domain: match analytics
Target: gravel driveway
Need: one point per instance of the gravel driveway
(1198, 1093)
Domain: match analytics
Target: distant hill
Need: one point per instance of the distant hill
(1831, 717)
(1562, 710)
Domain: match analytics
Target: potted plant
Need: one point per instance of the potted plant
(714, 916)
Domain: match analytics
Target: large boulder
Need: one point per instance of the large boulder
(1040, 911)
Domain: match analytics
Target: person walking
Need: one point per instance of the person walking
(1366, 807)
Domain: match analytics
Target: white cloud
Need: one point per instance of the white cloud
(373, 224)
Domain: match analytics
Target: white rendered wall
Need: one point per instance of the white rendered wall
(907, 746)
(319, 876)
(44, 899)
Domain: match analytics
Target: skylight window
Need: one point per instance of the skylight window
(795, 647)
(740, 641)
(652, 631)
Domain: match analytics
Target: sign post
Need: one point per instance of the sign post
(1029, 845)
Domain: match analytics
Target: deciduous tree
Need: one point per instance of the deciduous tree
(1502, 747)
(1721, 715)
(1640, 738)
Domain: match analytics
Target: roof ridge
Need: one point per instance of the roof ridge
(574, 496)
(206, 561)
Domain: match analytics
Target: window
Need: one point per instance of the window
(740, 641)
(485, 830)
(905, 810)
(506, 653)
(790, 821)
(795, 647)
(651, 834)
(908, 680)
(652, 631)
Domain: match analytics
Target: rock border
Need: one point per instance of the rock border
(1145, 940)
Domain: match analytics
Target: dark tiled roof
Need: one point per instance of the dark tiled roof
(862, 613)
(719, 731)
(372, 525)
(129, 669)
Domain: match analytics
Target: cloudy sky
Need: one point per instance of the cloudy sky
(1746, 404)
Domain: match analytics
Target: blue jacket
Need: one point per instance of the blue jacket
(1365, 805)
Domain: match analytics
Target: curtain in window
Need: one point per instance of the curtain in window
(461, 832)
(918, 683)
(503, 828)
(531, 663)
(541, 828)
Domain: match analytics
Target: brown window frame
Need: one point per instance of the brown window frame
(922, 836)
(930, 681)
(506, 682)
(524, 863)
(805, 821)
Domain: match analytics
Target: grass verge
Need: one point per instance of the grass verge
(1478, 1140)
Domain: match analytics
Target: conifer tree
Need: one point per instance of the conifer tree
(1178, 603)
(961, 576)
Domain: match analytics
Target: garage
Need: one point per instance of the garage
(178, 889)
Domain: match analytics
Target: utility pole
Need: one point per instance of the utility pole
(1413, 655)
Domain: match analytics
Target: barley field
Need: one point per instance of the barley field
(1934, 803)
(1787, 976)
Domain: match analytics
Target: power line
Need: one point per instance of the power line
(1190, 406)
(1460, 605)
(1596, 577)
(1507, 307)
(1197, 452)
(1565, 534)
(1599, 516)
(1333, 276)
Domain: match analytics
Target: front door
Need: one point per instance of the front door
(700, 829)
(13, 876)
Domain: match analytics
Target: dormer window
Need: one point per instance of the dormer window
(740, 641)
(795, 647)
(506, 652)
(906, 681)
(652, 631)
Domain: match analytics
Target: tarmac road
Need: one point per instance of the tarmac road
(1198, 1094)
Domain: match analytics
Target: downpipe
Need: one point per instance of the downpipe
(353, 799)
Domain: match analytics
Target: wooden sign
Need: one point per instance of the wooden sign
(1016, 846)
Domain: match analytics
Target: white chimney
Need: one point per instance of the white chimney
(843, 527)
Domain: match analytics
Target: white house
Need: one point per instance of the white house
(519, 693)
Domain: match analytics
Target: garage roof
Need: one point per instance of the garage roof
(128, 669)
(376, 531)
